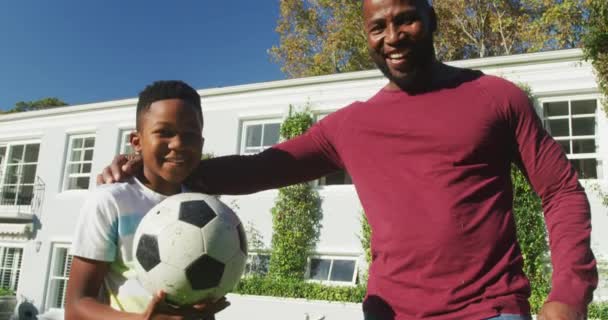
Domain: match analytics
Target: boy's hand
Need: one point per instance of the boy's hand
(558, 311)
(158, 310)
(123, 166)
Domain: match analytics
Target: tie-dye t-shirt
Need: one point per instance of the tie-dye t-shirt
(105, 231)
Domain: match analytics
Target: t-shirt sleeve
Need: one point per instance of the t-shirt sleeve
(565, 205)
(96, 234)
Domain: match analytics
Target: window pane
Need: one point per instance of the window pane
(583, 146)
(342, 270)
(583, 126)
(271, 134)
(31, 152)
(76, 155)
(12, 174)
(74, 168)
(565, 145)
(79, 183)
(25, 195)
(336, 178)
(77, 143)
(556, 108)
(15, 154)
(253, 136)
(88, 155)
(8, 196)
(558, 128)
(127, 149)
(319, 269)
(86, 168)
(584, 106)
(2, 154)
(28, 173)
(586, 168)
(89, 142)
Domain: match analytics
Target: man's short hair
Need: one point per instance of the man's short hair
(167, 89)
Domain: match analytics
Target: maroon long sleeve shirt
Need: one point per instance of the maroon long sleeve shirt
(432, 172)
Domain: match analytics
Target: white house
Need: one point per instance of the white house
(48, 159)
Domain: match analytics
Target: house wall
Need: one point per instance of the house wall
(555, 74)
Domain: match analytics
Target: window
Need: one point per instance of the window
(78, 164)
(572, 123)
(337, 270)
(259, 135)
(10, 267)
(257, 264)
(18, 163)
(58, 279)
(125, 142)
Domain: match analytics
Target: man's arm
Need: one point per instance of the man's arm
(565, 206)
(303, 158)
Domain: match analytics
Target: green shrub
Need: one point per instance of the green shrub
(6, 292)
(296, 216)
(292, 288)
(598, 310)
(532, 238)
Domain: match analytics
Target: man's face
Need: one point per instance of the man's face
(400, 38)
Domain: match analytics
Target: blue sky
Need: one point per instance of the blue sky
(92, 51)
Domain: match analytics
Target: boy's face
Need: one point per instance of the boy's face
(170, 142)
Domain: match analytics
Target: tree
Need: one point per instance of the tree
(296, 216)
(320, 37)
(596, 43)
(44, 103)
(327, 36)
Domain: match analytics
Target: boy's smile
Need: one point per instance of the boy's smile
(170, 142)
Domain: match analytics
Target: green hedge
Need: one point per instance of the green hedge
(6, 292)
(284, 288)
(289, 288)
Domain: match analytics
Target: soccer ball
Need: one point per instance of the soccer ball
(192, 246)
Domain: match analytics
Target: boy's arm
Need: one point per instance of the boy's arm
(565, 207)
(86, 278)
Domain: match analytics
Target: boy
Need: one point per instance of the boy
(103, 283)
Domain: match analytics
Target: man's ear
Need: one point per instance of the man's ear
(135, 140)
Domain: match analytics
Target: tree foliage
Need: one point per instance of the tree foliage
(45, 103)
(320, 37)
(596, 44)
(327, 36)
(296, 216)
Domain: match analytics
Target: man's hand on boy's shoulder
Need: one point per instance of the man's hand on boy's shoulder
(159, 310)
(122, 167)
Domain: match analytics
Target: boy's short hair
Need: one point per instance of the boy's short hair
(167, 89)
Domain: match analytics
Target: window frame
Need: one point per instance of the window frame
(15, 277)
(332, 258)
(70, 144)
(571, 138)
(52, 290)
(244, 123)
(4, 169)
(124, 140)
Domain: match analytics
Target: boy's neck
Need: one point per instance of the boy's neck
(159, 185)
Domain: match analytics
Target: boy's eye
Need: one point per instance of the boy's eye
(165, 133)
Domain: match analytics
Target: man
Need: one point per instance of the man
(430, 157)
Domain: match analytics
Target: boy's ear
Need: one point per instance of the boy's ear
(135, 140)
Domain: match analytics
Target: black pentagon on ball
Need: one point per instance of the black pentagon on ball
(147, 252)
(242, 238)
(205, 273)
(196, 212)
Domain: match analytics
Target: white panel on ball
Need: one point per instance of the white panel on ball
(171, 244)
